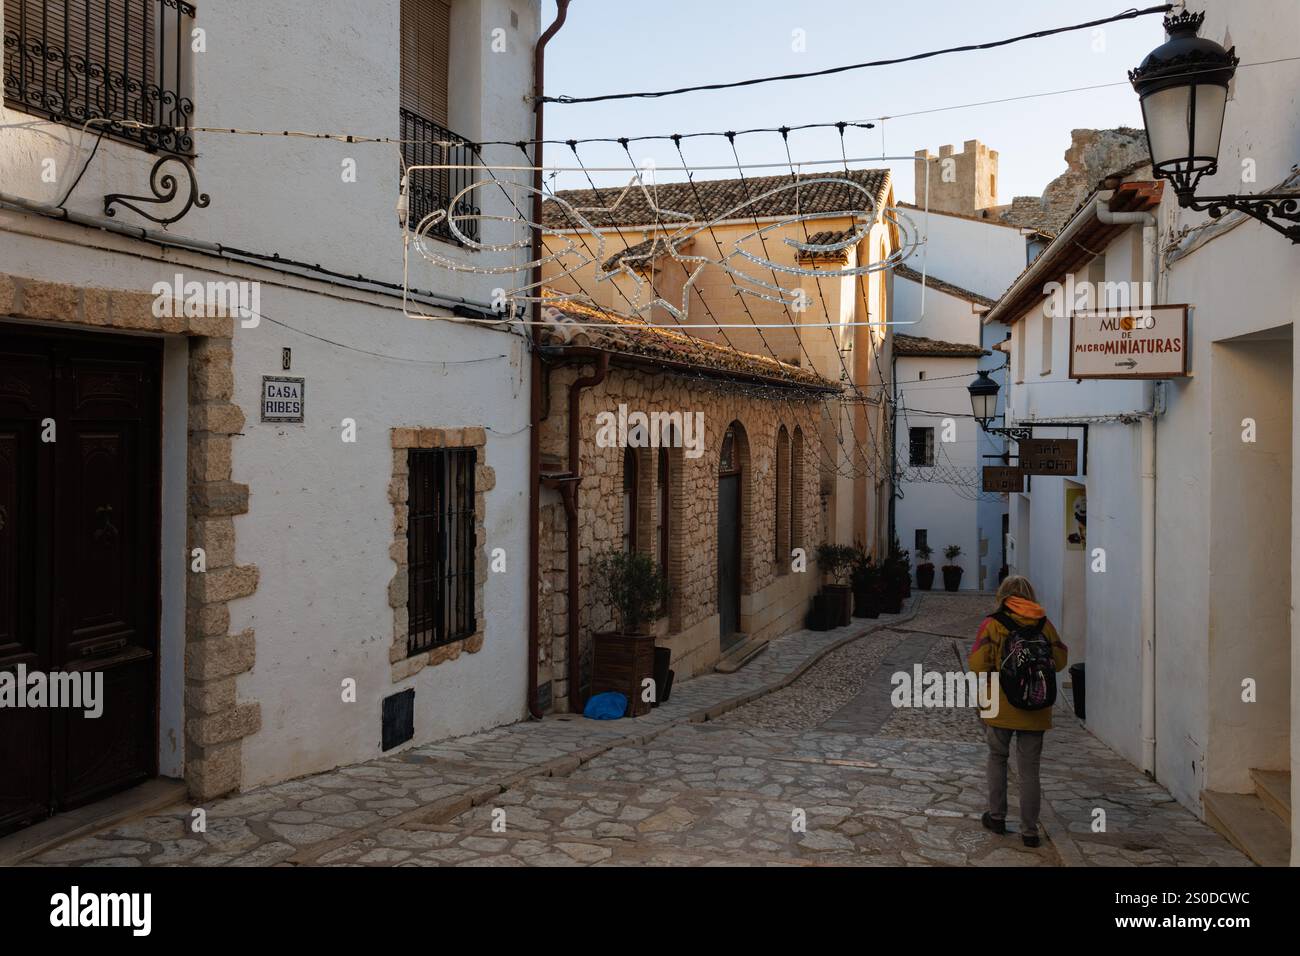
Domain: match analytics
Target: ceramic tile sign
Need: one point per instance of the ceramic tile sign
(1143, 342)
(283, 398)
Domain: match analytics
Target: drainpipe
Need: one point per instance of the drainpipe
(535, 363)
(1147, 473)
(568, 485)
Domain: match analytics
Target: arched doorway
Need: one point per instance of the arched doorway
(731, 467)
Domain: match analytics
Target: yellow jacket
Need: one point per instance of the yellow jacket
(986, 655)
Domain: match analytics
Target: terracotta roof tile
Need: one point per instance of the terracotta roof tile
(917, 345)
(631, 336)
(710, 198)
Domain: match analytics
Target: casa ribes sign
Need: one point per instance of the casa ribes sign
(1143, 342)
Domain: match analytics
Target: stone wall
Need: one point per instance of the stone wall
(965, 182)
(1093, 155)
(690, 626)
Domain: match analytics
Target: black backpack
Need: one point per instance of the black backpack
(1027, 671)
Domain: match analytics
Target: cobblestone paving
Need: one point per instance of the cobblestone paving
(784, 779)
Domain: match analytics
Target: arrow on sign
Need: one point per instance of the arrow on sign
(1128, 363)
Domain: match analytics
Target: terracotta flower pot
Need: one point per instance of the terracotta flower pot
(951, 577)
(925, 576)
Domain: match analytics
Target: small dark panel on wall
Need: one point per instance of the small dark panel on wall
(399, 719)
(544, 699)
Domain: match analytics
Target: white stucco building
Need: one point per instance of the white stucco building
(941, 342)
(1180, 601)
(340, 602)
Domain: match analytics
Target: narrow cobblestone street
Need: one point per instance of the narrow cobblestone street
(803, 733)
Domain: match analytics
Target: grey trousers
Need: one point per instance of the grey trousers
(1029, 751)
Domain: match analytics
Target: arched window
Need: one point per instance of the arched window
(796, 490)
(629, 499)
(782, 526)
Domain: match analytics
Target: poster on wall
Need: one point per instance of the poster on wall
(1076, 518)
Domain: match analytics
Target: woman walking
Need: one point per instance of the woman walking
(1018, 643)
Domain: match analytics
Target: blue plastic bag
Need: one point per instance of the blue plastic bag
(610, 705)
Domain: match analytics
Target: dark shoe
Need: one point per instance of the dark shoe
(1030, 840)
(997, 826)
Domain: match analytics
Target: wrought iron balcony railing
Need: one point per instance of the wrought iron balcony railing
(123, 61)
(426, 143)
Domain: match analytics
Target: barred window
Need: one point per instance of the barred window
(920, 447)
(441, 544)
(123, 61)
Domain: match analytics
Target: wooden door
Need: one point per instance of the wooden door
(79, 576)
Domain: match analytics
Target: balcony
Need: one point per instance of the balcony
(122, 61)
(426, 143)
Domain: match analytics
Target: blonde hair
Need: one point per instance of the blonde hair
(1015, 585)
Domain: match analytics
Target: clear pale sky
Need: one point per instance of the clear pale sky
(611, 46)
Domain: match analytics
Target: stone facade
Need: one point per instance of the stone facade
(215, 720)
(404, 664)
(773, 600)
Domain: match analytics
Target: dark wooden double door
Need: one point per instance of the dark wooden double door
(79, 511)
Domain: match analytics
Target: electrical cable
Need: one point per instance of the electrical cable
(1130, 14)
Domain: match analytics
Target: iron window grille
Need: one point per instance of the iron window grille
(426, 143)
(123, 61)
(440, 544)
(920, 447)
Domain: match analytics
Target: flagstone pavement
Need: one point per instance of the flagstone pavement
(793, 760)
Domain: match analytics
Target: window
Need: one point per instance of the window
(921, 447)
(922, 539)
(629, 499)
(782, 524)
(1018, 348)
(124, 60)
(425, 51)
(665, 504)
(441, 544)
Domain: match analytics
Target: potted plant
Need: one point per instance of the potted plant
(897, 576)
(633, 586)
(952, 572)
(924, 570)
(866, 586)
(836, 563)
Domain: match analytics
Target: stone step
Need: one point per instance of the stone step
(1249, 826)
(740, 654)
(1273, 787)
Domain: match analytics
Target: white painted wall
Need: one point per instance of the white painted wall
(1243, 286)
(982, 256)
(320, 522)
(948, 513)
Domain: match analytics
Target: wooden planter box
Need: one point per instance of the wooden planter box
(622, 663)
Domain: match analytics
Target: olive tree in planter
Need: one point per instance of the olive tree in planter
(835, 561)
(634, 587)
(925, 569)
(952, 572)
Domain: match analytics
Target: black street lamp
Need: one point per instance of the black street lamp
(984, 406)
(1183, 88)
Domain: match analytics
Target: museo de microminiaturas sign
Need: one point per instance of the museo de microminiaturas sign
(283, 398)
(1143, 342)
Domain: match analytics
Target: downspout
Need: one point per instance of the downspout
(1147, 476)
(535, 364)
(569, 489)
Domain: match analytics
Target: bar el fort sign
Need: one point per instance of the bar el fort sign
(1144, 342)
